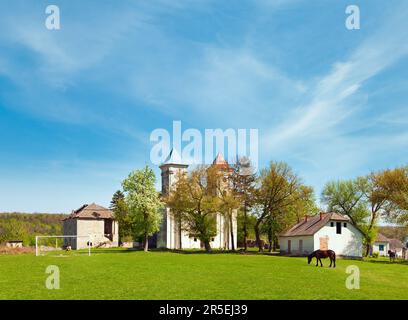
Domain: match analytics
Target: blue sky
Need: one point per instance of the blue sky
(77, 105)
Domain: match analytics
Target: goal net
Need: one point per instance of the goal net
(63, 245)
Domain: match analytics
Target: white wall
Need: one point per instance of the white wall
(168, 236)
(308, 245)
(348, 243)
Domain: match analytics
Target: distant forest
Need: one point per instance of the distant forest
(25, 226)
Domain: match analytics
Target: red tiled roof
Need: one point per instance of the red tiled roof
(220, 162)
(312, 224)
(91, 211)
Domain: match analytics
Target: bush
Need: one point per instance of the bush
(375, 255)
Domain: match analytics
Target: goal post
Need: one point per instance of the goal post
(38, 245)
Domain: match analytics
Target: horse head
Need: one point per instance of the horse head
(309, 258)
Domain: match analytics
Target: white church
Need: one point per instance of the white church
(171, 236)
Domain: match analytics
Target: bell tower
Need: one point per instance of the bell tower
(171, 167)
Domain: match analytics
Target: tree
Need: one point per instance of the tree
(366, 199)
(243, 184)
(278, 189)
(228, 206)
(392, 184)
(116, 198)
(122, 216)
(143, 203)
(194, 196)
(347, 198)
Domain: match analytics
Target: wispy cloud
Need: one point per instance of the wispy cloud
(331, 100)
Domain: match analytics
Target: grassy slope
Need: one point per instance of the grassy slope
(163, 275)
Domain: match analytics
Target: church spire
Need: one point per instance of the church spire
(169, 169)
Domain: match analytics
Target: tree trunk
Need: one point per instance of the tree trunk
(207, 246)
(275, 247)
(270, 238)
(232, 233)
(180, 235)
(258, 236)
(368, 247)
(245, 229)
(146, 242)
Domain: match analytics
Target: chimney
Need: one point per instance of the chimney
(306, 217)
(321, 215)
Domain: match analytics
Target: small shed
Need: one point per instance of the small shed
(381, 245)
(14, 243)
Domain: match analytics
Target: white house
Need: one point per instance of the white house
(171, 235)
(381, 245)
(325, 231)
(91, 222)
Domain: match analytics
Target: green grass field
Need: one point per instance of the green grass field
(121, 274)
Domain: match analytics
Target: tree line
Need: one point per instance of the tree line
(25, 226)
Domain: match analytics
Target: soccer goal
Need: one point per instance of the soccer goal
(62, 244)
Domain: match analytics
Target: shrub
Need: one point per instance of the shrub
(375, 255)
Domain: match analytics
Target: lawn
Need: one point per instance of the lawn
(121, 274)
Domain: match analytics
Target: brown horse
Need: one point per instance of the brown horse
(392, 255)
(319, 254)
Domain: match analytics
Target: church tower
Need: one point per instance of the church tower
(171, 167)
(170, 235)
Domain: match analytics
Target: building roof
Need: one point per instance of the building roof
(311, 224)
(173, 159)
(396, 244)
(91, 211)
(381, 238)
(220, 162)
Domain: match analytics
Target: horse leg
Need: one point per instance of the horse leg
(321, 264)
(317, 261)
(331, 261)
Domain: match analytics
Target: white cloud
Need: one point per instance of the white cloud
(330, 103)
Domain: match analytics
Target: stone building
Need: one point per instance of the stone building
(91, 222)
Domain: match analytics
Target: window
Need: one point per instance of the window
(381, 247)
(331, 224)
(345, 225)
(212, 239)
(195, 239)
(338, 227)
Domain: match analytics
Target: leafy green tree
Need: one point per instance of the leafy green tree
(116, 198)
(194, 196)
(277, 190)
(143, 203)
(347, 197)
(124, 219)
